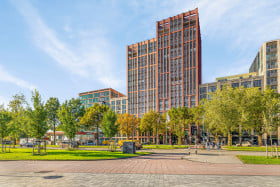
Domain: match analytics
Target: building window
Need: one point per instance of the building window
(212, 88)
(246, 84)
(124, 101)
(96, 95)
(192, 101)
(166, 103)
(257, 83)
(118, 102)
(203, 90)
(202, 97)
(235, 85)
(113, 103)
(123, 107)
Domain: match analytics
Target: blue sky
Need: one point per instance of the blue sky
(66, 47)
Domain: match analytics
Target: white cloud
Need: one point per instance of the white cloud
(8, 78)
(4, 101)
(92, 60)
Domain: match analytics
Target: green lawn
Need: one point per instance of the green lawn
(164, 146)
(234, 148)
(26, 154)
(258, 160)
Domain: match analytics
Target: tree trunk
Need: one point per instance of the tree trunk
(39, 146)
(54, 135)
(240, 135)
(157, 137)
(216, 138)
(97, 135)
(148, 137)
(14, 143)
(179, 140)
(260, 140)
(229, 139)
(2, 144)
(271, 139)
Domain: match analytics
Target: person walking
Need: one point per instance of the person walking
(208, 145)
(213, 145)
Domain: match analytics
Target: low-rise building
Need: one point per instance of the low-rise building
(247, 80)
(102, 96)
(119, 105)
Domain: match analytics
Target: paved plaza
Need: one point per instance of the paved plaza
(163, 168)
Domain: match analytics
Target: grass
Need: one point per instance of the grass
(258, 160)
(95, 146)
(261, 149)
(164, 146)
(26, 154)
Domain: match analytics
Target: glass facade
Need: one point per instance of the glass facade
(98, 96)
(118, 105)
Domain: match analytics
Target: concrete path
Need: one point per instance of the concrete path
(54, 179)
(219, 156)
(162, 162)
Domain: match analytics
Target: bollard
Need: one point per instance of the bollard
(196, 149)
(189, 150)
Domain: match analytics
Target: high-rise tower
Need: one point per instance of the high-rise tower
(165, 72)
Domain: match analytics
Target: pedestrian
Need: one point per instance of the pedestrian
(218, 145)
(208, 146)
(213, 145)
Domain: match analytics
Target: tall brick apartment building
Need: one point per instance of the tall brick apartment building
(165, 71)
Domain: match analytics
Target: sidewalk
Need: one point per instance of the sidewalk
(219, 156)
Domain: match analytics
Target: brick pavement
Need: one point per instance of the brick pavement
(164, 162)
(92, 179)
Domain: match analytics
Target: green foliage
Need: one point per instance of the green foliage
(180, 118)
(241, 109)
(153, 121)
(5, 118)
(69, 115)
(128, 123)
(52, 107)
(109, 126)
(37, 116)
(93, 117)
(18, 124)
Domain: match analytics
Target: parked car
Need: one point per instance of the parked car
(90, 142)
(27, 144)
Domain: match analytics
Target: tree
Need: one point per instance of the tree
(5, 118)
(69, 115)
(271, 100)
(221, 111)
(52, 107)
(153, 121)
(179, 118)
(255, 112)
(38, 118)
(126, 122)
(93, 118)
(195, 115)
(109, 126)
(17, 124)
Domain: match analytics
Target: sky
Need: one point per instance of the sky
(62, 48)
